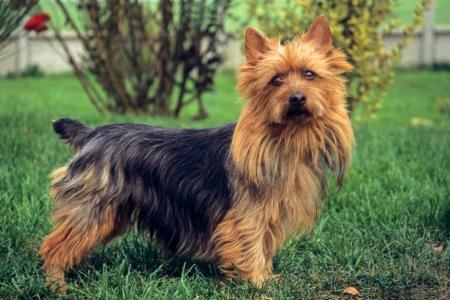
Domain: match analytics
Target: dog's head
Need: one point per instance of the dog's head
(296, 82)
(295, 94)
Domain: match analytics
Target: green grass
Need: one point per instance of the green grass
(373, 234)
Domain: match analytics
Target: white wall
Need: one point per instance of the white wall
(45, 51)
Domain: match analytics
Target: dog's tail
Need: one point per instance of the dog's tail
(72, 131)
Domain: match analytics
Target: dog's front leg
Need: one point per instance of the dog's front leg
(245, 245)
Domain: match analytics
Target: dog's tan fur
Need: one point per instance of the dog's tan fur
(280, 157)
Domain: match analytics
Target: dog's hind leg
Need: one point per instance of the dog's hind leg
(81, 223)
(73, 237)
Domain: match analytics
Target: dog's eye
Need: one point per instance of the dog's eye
(310, 75)
(276, 81)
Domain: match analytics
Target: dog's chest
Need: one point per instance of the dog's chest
(299, 200)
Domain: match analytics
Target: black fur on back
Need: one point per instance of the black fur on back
(172, 183)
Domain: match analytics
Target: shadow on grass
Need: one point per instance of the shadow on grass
(138, 253)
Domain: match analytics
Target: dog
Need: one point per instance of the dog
(230, 195)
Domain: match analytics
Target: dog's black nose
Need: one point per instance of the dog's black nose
(297, 99)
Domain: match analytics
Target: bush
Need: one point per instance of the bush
(358, 27)
(29, 71)
(141, 53)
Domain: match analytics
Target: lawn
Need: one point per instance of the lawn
(386, 232)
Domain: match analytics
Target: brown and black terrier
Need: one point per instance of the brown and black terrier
(230, 195)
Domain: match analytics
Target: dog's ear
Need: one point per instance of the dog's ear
(319, 33)
(256, 44)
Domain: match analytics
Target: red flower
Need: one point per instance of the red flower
(37, 22)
